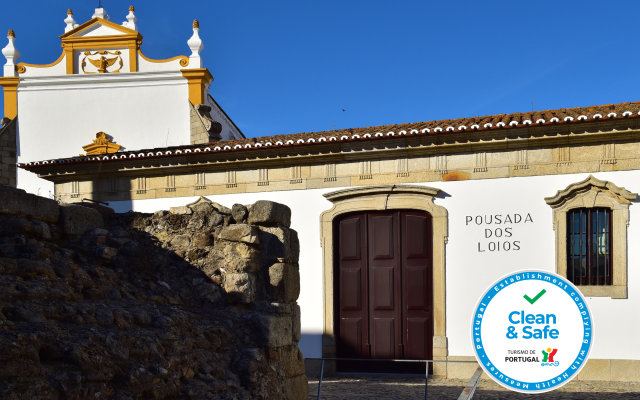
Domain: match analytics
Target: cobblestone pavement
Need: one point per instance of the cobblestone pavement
(408, 387)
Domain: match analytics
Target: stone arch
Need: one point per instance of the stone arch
(377, 198)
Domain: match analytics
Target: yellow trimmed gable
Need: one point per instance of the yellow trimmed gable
(97, 25)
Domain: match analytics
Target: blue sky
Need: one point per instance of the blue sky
(294, 66)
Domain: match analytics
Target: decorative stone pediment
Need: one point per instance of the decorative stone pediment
(98, 27)
(596, 187)
(101, 145)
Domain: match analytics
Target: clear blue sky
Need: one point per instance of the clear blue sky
(293, 66)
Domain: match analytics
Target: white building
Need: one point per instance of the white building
(102, 73)
(401, 227)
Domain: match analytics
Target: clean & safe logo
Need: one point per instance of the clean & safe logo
(532, 331)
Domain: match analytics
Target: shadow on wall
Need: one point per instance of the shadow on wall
(311, 347)
(107, 190)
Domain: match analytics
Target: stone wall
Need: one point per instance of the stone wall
(8, 153)
(196, 302)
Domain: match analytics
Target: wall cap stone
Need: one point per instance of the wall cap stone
(18, 202)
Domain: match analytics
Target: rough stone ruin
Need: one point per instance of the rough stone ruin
(196, 302)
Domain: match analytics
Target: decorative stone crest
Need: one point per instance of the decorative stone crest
(102, 63)
(101, 145)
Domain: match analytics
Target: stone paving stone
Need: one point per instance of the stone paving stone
(372, 386)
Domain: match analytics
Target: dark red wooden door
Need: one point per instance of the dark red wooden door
(352, 275)
(384, 302)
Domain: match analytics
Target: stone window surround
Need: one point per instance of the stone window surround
(388, 197)
(591, 193)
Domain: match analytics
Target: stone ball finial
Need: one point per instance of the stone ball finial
(196, 24)
(11, 33)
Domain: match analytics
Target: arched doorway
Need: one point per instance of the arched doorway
(385, 199)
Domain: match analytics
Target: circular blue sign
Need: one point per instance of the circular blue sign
(532, 331)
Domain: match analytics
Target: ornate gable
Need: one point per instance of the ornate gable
(97, 27)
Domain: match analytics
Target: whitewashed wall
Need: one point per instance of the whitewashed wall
(468, 270)
(59, 115)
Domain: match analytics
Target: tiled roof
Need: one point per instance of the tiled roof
(443, 127)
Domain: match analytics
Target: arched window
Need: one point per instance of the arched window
(590, 219)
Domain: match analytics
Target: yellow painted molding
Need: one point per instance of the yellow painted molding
(130, 40)
(10, 87)
(102, 41)
(198, 79)
(68, 51)
(22, 67)
(184, 60)
(133, 59)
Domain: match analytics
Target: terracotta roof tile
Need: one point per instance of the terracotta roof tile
(442, 127)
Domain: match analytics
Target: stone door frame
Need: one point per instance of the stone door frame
(377, 198)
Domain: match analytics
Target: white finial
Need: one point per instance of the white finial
(11, 54)
(131, 19)
(71, 23)
(196, 46)
(100, 13)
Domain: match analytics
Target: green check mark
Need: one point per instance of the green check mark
(530, 300)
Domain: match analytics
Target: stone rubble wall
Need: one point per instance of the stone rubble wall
(196, 302)
(8, 153)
